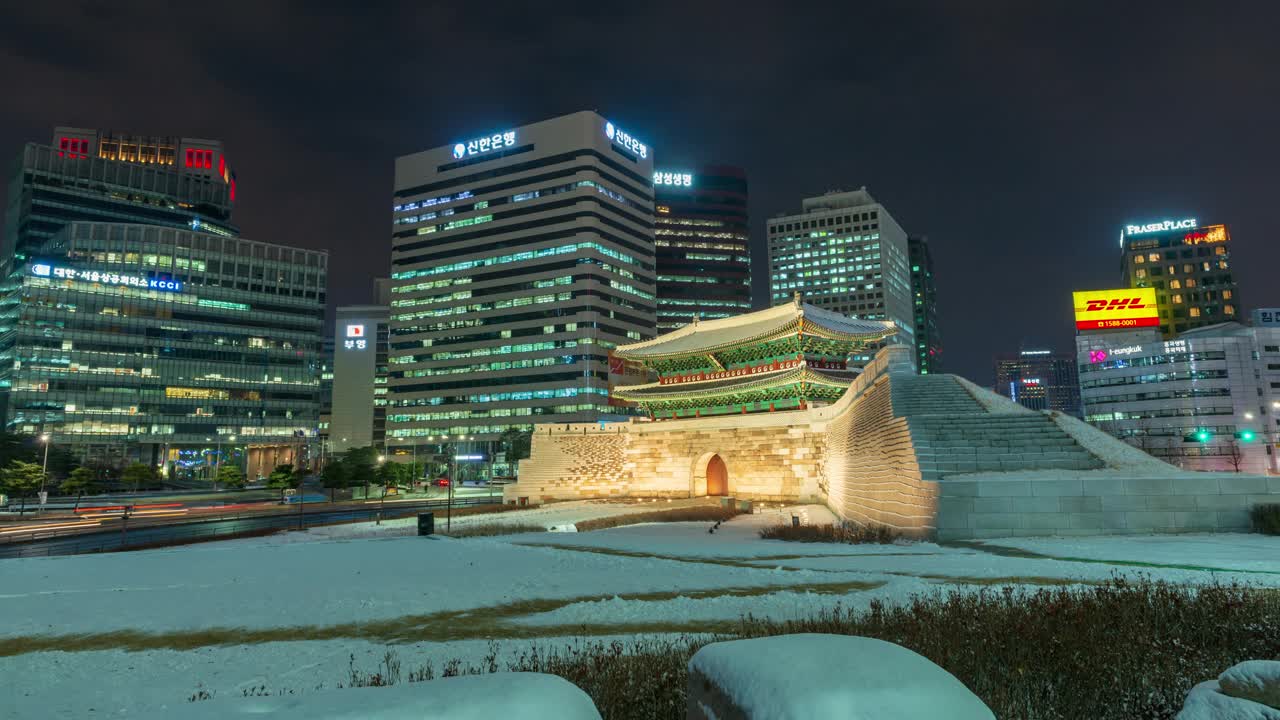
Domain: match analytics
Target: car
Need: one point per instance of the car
(442, 482)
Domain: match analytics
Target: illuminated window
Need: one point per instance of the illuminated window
(1141, 273)
(1219, 250)
(1177, 299)
(1229, 309)
(1175, 285)
(1154, 257)
(1226, 294)
(1191, 282)
(1173, 270)
(1138, 260)
(1195, 312)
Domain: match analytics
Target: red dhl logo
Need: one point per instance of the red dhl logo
(1113, 304)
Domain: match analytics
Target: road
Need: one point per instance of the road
(114, 532)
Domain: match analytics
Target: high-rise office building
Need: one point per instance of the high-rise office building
(519, 259)
(138, 325)
(703, 248)
(924, 298)
(166, 346)
(844, 252)
(100, 176)
(1039, 379)
(1188, 265)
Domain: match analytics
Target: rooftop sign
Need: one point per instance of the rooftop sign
(663, 177)
(1115, 309)
(621, 137)
(489, 143)
(1162, 226)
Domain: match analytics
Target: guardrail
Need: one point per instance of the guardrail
(38, 544)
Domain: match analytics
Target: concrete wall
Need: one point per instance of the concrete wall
(1102, 502)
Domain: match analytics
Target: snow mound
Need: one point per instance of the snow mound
(824, 676)
(532, 696)
(1256, 680)
(1206, 702)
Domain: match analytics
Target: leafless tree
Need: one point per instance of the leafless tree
(1235, 454)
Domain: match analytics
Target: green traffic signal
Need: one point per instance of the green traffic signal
(1246, 435)
(1203, 436)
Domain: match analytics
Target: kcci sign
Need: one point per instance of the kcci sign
(105, 278)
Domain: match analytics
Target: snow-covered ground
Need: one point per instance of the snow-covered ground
(123, 634)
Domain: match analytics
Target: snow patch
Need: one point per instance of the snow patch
(828, 676)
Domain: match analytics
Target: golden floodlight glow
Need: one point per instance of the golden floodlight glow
(1115, 309)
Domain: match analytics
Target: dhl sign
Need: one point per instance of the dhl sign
(1115, 309)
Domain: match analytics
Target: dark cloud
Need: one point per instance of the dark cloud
(1018, 136)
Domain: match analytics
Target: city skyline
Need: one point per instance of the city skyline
(982, 134)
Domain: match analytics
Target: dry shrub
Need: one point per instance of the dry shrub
(700, 513)
(1266, 518)
(848, 533)
(493, 529)
(1117, 651)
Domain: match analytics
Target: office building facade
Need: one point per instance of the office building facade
(155, 344)
(1189, 266)
(1208, 399)
(519, 260)
(702, 241)
(924, 298)
(844, 252)
(359, 414)
(1039, 379)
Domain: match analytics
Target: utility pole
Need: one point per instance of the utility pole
(453, 478)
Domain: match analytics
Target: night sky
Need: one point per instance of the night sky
(1019, 136)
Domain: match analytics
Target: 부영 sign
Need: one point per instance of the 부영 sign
(1115, 309)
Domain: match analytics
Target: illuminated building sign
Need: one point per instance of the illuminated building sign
(1030, 381)
(1097, 356)
(479, 146)
(623, 138)
(1209, 234)
(105, 278)
(670, 178)
(355, 338)
(465, 458)
(1162, 226)
(1035, 352)
(1115, 309)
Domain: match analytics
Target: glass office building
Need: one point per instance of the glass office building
(173, 347)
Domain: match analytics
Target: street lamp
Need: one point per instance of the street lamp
(44, 471)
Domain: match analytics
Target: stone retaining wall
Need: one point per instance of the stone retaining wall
(1100, 502)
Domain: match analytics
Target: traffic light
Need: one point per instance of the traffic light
(1245, 435)
(1201, 436)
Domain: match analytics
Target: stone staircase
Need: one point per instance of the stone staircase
(952, 433)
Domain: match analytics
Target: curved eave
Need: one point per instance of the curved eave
(711, 388)
(697, 339)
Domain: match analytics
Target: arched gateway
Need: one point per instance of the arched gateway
(717, 476)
